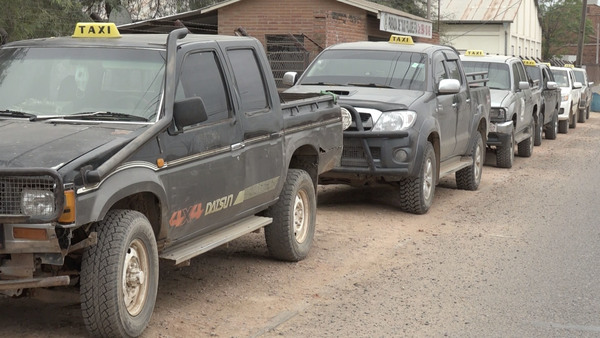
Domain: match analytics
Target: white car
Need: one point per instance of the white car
(570, 96)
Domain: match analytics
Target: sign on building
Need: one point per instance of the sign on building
(400, 25)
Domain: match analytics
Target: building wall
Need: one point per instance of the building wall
(526, 31)
(476, 36)
(524, 34)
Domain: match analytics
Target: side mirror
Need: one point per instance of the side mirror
(524, 85)
(577, 85)
(590, 84)
(189, 112)
(289, 78)
(449, 86)
(551, 85)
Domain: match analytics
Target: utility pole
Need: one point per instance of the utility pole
(581, 39)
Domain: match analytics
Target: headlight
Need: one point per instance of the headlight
(37, 202)
(346, 118)
(395, 121)
(498, 114)
(565, 97)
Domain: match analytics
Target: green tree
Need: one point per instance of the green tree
(560, 24)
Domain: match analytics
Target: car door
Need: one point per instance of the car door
(204, 163)
(263, 124)
(525, 96)
(446, 108)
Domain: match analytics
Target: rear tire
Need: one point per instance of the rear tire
(119, 276)
(505, 155)
(525, 147)
(587, 112)
(539, 130)
(416, 193)
(552, 128)
(470, 177)
(290, 236)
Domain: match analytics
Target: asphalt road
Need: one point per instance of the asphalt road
(517, 258)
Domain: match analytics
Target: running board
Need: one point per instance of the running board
(455, 164)
(180, 253)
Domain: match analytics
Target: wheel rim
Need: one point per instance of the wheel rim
(301, 216)
(478, 162)
(427, 179)
(135, 284)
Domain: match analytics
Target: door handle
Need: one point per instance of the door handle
(237, 146)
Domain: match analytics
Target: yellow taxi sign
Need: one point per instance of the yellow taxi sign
(568, 65)
(473, 52)
(529, 63)
(96, 30)
(547, 64)
(401, 39)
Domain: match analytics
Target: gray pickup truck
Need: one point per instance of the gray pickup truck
(415, 116)
(544, 84)
(118, 150)
(514, 104)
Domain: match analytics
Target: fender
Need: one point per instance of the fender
(93, 203)
(429, 126)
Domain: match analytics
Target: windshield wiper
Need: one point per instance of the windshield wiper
(19, 114)
(374, 85)
(321, 84)
(98, 115)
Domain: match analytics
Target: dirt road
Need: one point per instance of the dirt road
(515, 258)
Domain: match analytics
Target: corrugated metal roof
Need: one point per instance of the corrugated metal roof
(480, 10)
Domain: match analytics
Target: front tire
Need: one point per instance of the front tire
(552, 128)
(563, 126)
(581, 115)
(119, 276)
(470, 177)
(416, 193)
(291, 234)
(505, 155)
(539, 130)
(525, 147)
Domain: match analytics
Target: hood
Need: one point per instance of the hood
(51, 145)
(383, 95)
(497, 97)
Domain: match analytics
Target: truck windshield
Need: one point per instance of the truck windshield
(579, 77)
(561, 77)
(68, 81)
(390, 69)
(498, 73)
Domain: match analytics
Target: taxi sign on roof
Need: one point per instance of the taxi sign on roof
(547, 64)
(529, 63)
(401, 39)
(568, 65)
(474, 53)
(96, 30)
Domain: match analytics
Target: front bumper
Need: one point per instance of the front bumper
(564, 111)
(369, 153)
(500, 133)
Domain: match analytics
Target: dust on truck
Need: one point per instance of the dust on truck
(118, 150)
(415, 116)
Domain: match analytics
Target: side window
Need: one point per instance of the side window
(516, 76)
(439, 72)
(249, 80)
(453, 71)
(201, 76)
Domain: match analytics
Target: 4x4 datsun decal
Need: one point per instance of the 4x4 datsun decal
(194, 212)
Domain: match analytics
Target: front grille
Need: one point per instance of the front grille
(13, 182)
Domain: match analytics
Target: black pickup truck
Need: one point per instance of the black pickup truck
(416, 116)
(119, 150)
